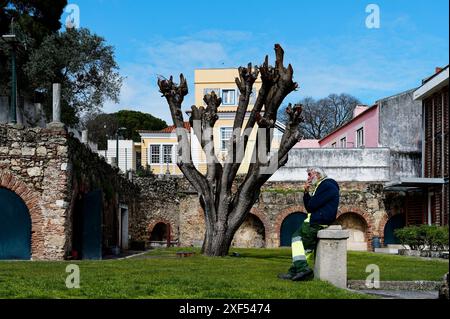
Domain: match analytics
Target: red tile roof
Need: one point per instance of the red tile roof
(169, 129)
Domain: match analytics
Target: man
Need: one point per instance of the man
(321, 200)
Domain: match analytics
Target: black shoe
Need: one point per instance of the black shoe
(304, 275)
(287, 276)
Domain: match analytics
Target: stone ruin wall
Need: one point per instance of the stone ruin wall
(360, 201)
(50, 170)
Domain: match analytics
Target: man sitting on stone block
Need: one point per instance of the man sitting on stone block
(321, 200)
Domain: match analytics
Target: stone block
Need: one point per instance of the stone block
(41, 151)
(62, 150)
(61, 203)
(331, 256)
(15, 152)
(34, 171)
(28, 151)
(373, 204)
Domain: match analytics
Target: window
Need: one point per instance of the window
(154, 154)
(360, 137)
(333, 145)
(229, 97)
(225, 136)
(344, 142)
(167, 154)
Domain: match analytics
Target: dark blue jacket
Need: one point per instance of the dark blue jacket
(323, 206)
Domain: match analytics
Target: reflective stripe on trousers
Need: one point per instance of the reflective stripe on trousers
(298, 249)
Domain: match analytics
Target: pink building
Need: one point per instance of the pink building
(307, 144)
(361, 131)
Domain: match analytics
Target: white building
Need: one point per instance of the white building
(127, 154)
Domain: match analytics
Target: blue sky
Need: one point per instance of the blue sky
(327, 42)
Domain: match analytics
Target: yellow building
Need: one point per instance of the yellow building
(159, 148)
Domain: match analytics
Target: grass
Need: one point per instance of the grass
(161, 275)
(396, 268)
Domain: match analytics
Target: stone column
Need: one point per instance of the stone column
(56, 123)
(56, 102)
(331, 256)
(84, 137)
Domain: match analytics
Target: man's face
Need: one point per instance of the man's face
(313, 176)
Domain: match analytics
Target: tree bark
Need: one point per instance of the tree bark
(225, 210)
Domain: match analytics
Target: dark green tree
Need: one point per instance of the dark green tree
(33, 21)
(102, 126)
(85, 66)
(135, 121)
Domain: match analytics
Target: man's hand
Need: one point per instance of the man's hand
(306, 187)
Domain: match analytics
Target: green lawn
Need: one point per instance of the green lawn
(162, 275)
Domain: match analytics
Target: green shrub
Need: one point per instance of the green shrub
(424, 236)
(144, 171)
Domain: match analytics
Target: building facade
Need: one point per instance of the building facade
(434, 97)
(159, 148)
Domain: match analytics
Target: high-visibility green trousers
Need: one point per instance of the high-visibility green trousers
(304, 242)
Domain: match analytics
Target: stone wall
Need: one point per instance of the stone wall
(88, 173)
(401, 122)
(178, 205)
(161, 198)
(33, 164)
(361, 165)
(51, 171)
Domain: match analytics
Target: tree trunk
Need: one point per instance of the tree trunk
(219, 244)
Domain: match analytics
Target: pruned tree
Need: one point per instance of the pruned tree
(226, 207)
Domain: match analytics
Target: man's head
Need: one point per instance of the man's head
(315, 174)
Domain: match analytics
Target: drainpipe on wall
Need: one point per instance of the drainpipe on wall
(442, 161)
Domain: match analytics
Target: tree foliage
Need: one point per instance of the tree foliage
(33, 21)
(135, 121)
(102, 126)
(85, 66)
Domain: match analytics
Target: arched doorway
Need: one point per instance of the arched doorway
(357, 227)
(159, 232)
(15, 227)
(395, 222)
(251, 234)
(289, 226)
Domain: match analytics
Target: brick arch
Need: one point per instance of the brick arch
(262, 217)
(382, 225)
(152, 225)
(281, 216)
(31, 200)
(365, 216)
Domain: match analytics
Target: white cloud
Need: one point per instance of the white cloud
(366, 66)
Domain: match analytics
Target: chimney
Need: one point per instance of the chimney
(437, 70)
(359, 109)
